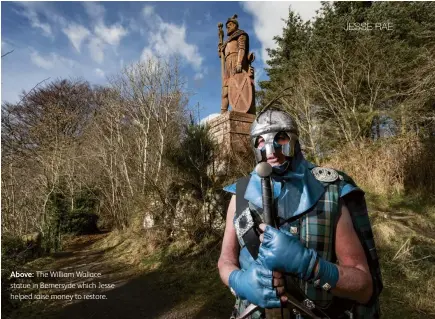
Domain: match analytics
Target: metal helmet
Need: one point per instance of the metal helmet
(234, 20)
(268, 124)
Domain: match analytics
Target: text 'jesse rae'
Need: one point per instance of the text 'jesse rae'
(368, 26)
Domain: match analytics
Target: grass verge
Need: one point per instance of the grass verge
(404, 231)
(190, 270)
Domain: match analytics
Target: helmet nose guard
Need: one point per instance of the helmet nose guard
(267, 125)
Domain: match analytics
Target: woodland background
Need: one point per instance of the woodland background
(130, 159)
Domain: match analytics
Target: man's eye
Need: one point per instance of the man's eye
(260, 141)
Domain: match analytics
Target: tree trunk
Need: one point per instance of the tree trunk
(402, 120)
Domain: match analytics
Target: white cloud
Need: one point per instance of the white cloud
(268, 18)
(147, 54)
(207, 16)
(170, 40)
(40, 61)
(37, 11)
(198, 76)
(6, 47)
(167, 40)
(51, 61)
(148, 11)
(257, 55)
(102, 34)
(100, 72)
(186, 13)
(56, 18)
(96, 49)
(149, 59)
(94, 10)
(134, 26)
(32, 15)
(76, 34)
(111, 35)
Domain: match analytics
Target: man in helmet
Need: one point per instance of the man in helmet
(323, 253)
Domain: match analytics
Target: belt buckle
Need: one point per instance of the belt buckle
(309, 304)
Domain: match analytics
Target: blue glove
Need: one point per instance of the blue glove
(255, 285)
(245, 258)
(327, 275)
(282, 251)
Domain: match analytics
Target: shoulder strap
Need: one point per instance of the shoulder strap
(250, 238)
(241, 202)
(356, 204)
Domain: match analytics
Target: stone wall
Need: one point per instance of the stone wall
(231, 132)
(231, 128)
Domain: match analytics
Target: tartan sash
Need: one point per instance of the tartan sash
(316, 230)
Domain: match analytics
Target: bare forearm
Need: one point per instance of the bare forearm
(228, 260)
(226, 267)
(354, 280)
(354, 284)
(241, 41)
(240, 56)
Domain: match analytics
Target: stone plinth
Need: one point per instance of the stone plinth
(231, 132)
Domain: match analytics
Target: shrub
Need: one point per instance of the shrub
(80, 223)
(388, 166)
(12, 246)
(15, 252)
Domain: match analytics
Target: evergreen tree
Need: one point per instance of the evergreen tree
(347, 83)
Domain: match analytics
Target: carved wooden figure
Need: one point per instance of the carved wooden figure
(237, 73)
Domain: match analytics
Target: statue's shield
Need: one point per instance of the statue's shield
(240, 92)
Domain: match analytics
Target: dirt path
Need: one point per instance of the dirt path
(133, 293)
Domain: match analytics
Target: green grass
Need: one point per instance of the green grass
(404, 231)
(191, 270)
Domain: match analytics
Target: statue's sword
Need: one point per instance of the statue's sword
(264, 170)
(222, 54)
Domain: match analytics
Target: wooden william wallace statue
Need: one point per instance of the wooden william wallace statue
(237, 73)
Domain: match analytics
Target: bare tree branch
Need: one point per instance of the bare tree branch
(7, 53)
(22, 99)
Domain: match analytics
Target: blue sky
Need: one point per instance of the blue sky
(93, 40)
